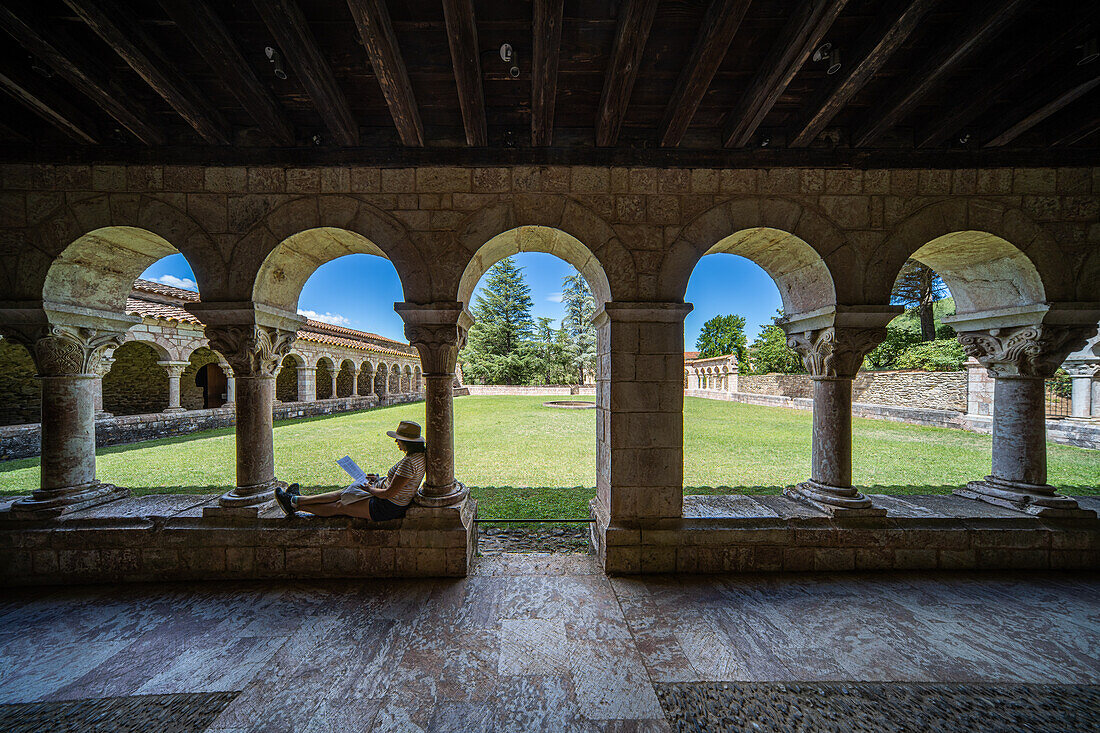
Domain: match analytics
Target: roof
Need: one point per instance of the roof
(165, 303)
(696, 359)
(691, 355)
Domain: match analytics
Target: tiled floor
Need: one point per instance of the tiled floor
(533, 642)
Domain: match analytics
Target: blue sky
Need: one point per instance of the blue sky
(721, 284)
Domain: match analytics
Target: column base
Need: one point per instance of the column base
(246, 502)
(103, 415)
(442, 496)
(1038, 499)
(49, 503)
(836, 501)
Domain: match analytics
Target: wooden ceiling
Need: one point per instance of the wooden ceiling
(711, 76)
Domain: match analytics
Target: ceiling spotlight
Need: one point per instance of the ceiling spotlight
(317, 139)
(274, 57)
(822, 52)
(1090, 51)
(508, 55)
(834, 62)
(765, 142)
(964, 138)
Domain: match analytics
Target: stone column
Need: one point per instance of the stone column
(97, 386)
(175, 371)
(254, 352)
(355, 381)
(67, 359)
(438, 331)
(1082, 376)
(335, 373)
(307, 384)
(1020, 358)
(832, 356)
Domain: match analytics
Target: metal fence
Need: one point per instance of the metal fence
(1058, 391)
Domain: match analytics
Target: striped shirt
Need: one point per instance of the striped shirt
(411, 467)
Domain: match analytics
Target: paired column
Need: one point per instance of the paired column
(307, 383)
(1083, 380)
(175, 371)
(833, 355)
(254, 352)
(101, 370)
(67, 359)
(438, 331)
(1019, 359)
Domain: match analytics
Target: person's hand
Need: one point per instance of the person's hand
(372, 477)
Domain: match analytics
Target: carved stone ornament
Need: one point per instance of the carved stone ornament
(1083, 369)
(835, 353)
(438, 345)
(69, 351)
(1024, 351)
(252, 351)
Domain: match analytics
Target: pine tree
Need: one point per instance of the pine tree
(499, 349)
(580, 306)
(917, 288)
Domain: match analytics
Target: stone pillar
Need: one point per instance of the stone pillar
(335, 373)
(355, 381)
(175, 371)
(832, 356)
(1020, 358)
(1096, 395)
(1082, 376)
(97, 387)
(640, 414)
(254, 352)
(438, 331)
(68, 359)
(307, 384)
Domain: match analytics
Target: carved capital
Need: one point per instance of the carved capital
(1085, 369)
(175, 369)
(1024, 351)
(835, 353)
(70, 351)
(438, 345)
(252, 351)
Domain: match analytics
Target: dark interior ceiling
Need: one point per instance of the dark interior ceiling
(713, 76)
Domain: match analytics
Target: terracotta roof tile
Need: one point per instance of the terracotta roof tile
(154, 287)
(161, 311)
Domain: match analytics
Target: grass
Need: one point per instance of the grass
(525, 460)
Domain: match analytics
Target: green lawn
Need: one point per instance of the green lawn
(515, 442)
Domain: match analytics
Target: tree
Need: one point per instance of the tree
(938, 355)
(580, 306)
(552, 345)
(904, 332)
(722, 335)
(917, 288)
(770, 353)
(499, 349)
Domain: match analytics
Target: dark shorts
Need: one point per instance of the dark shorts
(382, 510)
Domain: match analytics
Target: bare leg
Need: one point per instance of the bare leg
(318, 498)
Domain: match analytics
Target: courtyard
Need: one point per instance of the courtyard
(524, 460)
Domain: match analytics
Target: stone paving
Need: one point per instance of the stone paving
(547, 642)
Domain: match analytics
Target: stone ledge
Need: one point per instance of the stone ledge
(165, 537)
(738, 533)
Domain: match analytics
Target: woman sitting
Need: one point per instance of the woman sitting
(379, 500)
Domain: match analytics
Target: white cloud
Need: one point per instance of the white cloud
(184, 283)
(555, 297)
(332, 318)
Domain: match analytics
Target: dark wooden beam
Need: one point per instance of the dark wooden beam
(720, 24)
(546, 45)
(1077, 130)
(873, 51)
(802, 34)
(1059, 102)
(215, 45)
(120, 30)
(373, 20)
(635, 21)
(68, 61)
(1000, 79)
(990, 22)
(466, 59)
(296, 42)
(39, 98)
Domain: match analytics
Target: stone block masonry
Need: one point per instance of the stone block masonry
(24, 441)
(929, 390)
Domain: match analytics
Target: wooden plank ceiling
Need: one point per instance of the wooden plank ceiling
(698, 75)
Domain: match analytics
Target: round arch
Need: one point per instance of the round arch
(990, 256)
(301, 235)
(164, 353)
(791, 243)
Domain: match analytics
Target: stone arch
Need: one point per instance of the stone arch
(115, 237)
(365, 383)
(286, 381)
(20, 391)
(296, 238)
(326, 367)
(345, 379)
(395, 379)
(555, 225)
(201, 389)
(136, 384)
(164, 352)
(991, 256)
(798, 247)
(406, 379)
(381, 379)
(418, 376)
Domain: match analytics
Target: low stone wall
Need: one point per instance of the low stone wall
(166, 538)
(24, 441)
(737, 533)
(1067, 431)
(931, 390)
(534, 391)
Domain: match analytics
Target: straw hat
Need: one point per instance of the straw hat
(408, 431)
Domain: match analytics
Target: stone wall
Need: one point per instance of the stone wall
(547, 390)
(20, 393)
(286, 382)
(23, 441)
(929, 390)
(781, 385)
(136, 384)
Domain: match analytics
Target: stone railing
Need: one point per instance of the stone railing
(23, 441)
